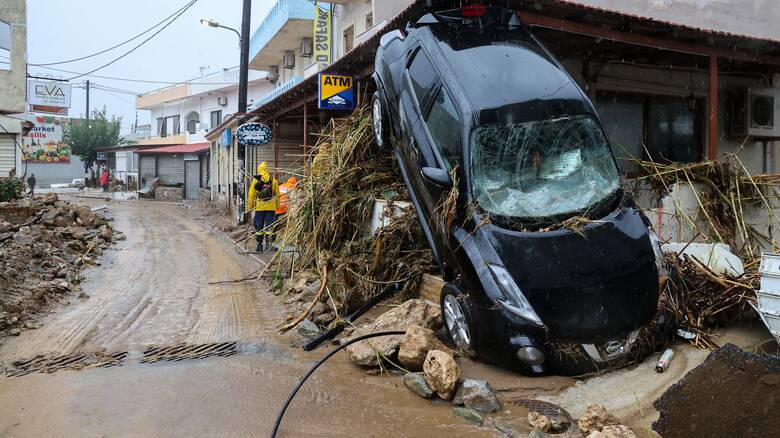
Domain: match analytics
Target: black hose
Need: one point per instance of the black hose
(317, 365)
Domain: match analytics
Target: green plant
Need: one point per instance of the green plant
(10, 189)
(84, 137)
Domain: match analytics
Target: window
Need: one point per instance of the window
(369, 20)
(444, 126)
(422, 74)
(193, 119)
(349, 38)
(216, 118)
(669, 127)
(5, 46)
(168, 126)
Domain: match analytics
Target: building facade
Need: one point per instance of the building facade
(13, 83)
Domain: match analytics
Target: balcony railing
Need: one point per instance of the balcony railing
(280, 13)
(278, 91)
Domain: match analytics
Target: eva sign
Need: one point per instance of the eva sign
(50, 94)
(336, 92)
(254, 134)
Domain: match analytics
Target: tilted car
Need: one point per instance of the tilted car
(550, 266)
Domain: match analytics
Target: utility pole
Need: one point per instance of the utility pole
(87, 100)
(244, 65)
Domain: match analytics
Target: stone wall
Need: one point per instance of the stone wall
(204, 197)
(169, 194)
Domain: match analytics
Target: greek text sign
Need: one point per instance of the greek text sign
(253, 134)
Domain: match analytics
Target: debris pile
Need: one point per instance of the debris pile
(699, 298)
(330, 215)
(44, 244)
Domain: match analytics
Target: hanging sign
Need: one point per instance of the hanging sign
(254, 134)
(336, 92)
(322, 36)
(48, 94)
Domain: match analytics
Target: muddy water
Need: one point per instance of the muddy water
(153, 290)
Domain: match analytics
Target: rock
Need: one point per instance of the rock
(83, 294)
(415, 345)
(311, 290)
(50, 198)
(596, 434)
(14, 332)
(325, 318)
(477, 394)
(618, 431)
(539, 421)
(308, 329)
(416, 383)
(559, 424)
(442, 373)
(413, 312)
(506, 428)
(294, 299)
(536, 433)
(595, 418)
(469, 414)
(318, 309)
(457, 400)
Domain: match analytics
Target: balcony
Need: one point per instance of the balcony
(278, 91)
(282, 29)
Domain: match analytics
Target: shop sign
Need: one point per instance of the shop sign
(102, 156)
(226, 138)
(336, 92)
(322, 35)
(253, 134)
(43, 144)
(48, 94)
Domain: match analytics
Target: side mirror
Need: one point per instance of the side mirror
(437, 176)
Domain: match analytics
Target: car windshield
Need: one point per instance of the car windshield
(540, 169)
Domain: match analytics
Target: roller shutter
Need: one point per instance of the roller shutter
(170, 169)
(148, 169)
(7, 154)
(191, 179)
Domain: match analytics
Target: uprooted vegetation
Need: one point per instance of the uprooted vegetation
(44, 245)
(328, 223)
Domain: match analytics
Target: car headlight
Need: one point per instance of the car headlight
(659, 255)
(516, 302)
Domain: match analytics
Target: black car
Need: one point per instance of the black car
(550, 266)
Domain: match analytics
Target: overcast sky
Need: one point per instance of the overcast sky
(60, 30)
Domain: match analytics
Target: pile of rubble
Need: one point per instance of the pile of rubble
(44, 244)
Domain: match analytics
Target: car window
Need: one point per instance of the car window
(422, 74)
(444, 126)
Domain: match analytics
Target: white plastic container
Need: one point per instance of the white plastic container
(768, 301)
(770, 272)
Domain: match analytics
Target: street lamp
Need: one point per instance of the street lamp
(212, 23)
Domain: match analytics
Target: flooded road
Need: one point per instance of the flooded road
(152, 291)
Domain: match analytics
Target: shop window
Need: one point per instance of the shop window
(5, 46)
(664, 128)
(349, 38)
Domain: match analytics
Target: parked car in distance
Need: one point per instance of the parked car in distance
(550, 266)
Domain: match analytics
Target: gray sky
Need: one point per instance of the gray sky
(64, 29)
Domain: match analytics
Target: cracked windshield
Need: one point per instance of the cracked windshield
(370, 218)
(542, 168)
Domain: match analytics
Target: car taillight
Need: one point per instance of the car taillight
(473, 10)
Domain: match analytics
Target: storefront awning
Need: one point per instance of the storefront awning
(193, 148)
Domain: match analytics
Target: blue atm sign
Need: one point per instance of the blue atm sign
(336, 92)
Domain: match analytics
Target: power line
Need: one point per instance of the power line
(117, 45)
(139, 45)
(114, 78)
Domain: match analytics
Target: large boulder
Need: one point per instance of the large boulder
(618, 431)
(415, 345)
(413, 312)
(595, 418)
(442, 373)
(477, 394)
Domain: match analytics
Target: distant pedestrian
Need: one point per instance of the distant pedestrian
(31, 184)
(104, 180)
(264, 200)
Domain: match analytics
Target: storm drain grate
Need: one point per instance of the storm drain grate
(189, 352)
(77, 361)
(545, 408)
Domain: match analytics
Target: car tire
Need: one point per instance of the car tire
(379, 121)
(456, 310)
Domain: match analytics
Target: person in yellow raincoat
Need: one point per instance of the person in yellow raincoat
(264, 200)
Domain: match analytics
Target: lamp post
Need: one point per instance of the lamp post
(243, 38)
(212, 23)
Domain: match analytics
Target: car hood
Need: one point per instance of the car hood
(588, 285)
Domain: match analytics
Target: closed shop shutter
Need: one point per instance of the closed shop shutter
(148, 171)
(191, 179)
(205, 162)
(7, 154)
(170, 169)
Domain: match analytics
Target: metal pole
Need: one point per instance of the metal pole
(712, 141)
(243, 70)
(87, 99)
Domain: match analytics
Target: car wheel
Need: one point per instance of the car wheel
(379, 118)
(456, 311)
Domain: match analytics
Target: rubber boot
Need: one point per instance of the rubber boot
(259, 244)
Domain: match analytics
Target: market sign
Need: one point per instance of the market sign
(48, 94)
(43, 144)
(322, 35)
(336, 92)
(253, 134)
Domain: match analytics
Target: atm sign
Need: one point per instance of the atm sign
(336, 92)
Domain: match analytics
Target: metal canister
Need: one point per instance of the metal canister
(663, 362)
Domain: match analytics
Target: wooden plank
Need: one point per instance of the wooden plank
(430, 287)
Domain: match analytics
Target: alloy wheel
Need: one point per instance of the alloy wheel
(456, 323)
(377, 117)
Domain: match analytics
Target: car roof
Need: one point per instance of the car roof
(497, 68)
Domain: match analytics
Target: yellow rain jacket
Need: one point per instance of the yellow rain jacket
(263, 191)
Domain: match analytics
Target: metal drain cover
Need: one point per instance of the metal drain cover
(189, 352)
(78, 361)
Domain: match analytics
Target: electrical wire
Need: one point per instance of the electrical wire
(317, 365)
(189, 5)
(114, 78)
(117, 45)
